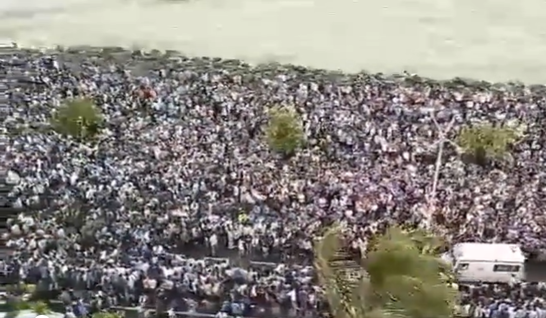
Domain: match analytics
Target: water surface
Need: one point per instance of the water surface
(486, 39)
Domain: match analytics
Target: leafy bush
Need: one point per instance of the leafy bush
(40, 308)
(488, 142)
(78, 118)
(284, 130)
(29, 288)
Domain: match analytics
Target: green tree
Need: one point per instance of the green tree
(427, 242)
(284, 130)
(485, 142)
(396, 277)
(78, 118)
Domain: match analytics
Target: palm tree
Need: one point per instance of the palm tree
(396, 277)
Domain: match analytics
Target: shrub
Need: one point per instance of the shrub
(284, 130)
(40, 308)
(78, 118)
(486, 142)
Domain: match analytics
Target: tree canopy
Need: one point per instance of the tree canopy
(78, 118)
(284, 130)
(485, 142)
(400, 275)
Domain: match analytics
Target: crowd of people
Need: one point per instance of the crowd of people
(180, 204)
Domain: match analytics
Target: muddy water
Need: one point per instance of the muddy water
(494, 40)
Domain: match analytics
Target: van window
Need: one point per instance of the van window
(506, 268)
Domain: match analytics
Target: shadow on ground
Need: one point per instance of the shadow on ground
(535, 271)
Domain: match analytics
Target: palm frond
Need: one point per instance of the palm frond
(386, 312)
(338, 273)
(393, 254)
(427, 242)
(420, 297)
(401, 276)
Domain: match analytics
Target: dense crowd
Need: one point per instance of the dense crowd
(181, 205)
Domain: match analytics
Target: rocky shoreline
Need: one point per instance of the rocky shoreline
(142, 61)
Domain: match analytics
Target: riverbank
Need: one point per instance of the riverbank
(143, 61)
(495, 41)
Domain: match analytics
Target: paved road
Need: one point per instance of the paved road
(487, 39)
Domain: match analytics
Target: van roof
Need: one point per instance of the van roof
(489, 252)
(7, 43)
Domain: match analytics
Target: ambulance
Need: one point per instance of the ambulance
(487, 262)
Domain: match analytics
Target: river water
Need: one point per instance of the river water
(488, 39)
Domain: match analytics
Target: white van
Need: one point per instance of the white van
(7, 44)
(487, 262)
